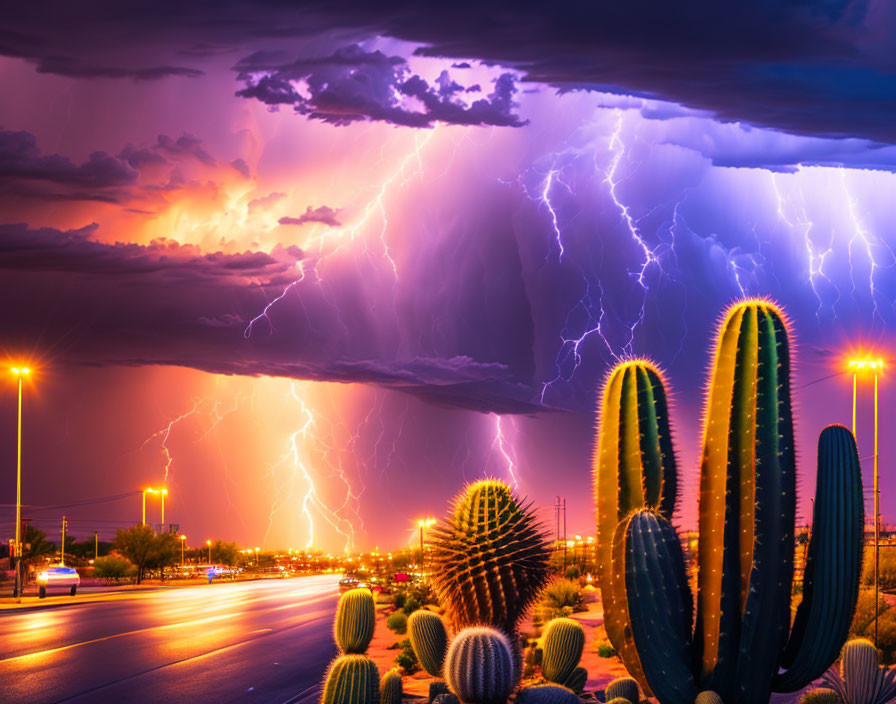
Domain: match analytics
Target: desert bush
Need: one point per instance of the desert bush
(863, 623)
(397, 622)
(562, 598)
(406, 659)
(113, 567)
(573, 572)
(887, 569)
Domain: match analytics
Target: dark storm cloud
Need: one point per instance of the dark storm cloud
(24, 169)
(324, 214)
(822, 69)
(352, 85)
(100, 304)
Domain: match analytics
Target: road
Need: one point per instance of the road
(263, 641)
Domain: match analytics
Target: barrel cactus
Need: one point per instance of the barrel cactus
(741, 645)
(619, 700)
(861, 679)
(576, 680)
(355, 617)
(390, 688)
(429, 640)
(546, 694)
(479, 666)
(624, 687)
(562, 647)
(351, 679)
(820, 695)
(489, 559)
(708, 697)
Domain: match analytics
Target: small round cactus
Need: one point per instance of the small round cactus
(479, 666)
(563, 642)
(820, 695)
(546, 694)
(352, 679)
(708, 697)
(429, 640)
(619, 700)
(390, 688)
(576, 680)
(625, 688)
(355, 617)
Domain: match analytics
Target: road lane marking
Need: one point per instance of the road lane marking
(166, 626)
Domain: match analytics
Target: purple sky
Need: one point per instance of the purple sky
(315, 268)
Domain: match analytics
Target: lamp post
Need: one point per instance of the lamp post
(19, 372)
(209, 543)
(183, 539)
(163, 493)
(875, 366)
(256, 558)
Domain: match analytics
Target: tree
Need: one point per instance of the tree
(164, 552)
(225, 553)
(136, 544)
(113, 567)
(36, 545)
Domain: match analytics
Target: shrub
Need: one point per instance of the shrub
(562, 598)
(398, 599)
(406, 659)
(572, 572)
(411, 604)
(863, 623)
(605, 650)
(397, 622)
(113, 567)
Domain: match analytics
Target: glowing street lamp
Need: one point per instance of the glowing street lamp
(876, 366)
(183, 539)
(163, 493)
(19, 373)
(424, 523)
(209, 543)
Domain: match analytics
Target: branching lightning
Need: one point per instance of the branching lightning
(506, 451)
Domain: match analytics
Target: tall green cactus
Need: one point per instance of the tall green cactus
(355, 617)
(390, 688)
(489, 559)
(352, 679)
(479, 666)
(634, 463)
(562, 646)
(429, 640)
(739, 643)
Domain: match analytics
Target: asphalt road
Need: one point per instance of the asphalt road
(264, 641)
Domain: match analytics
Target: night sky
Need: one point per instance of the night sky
(316, 265)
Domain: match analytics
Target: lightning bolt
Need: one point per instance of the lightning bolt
(505, 450)
(165, 433)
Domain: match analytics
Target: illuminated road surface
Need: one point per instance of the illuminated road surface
(264, 641)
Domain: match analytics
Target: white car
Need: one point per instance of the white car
(58, 578)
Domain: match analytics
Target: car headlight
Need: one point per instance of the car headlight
(42, 577)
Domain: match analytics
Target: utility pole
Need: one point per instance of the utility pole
(62, 559)
(96, 546)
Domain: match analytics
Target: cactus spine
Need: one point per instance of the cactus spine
(479, 666)
(546, 694)
(564, 640)
(352, 679)
(742, 636)
(489, 559)
(429, 640)
(390, 688)
(634, 463)
(355, 618)
(624, 687)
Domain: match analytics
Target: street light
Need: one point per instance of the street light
(876, 366)
(182, 540)
(256, 557)
(209, 543)
(163, 492)
(19, 373)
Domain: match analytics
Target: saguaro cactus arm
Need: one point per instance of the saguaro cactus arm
(833, 565)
